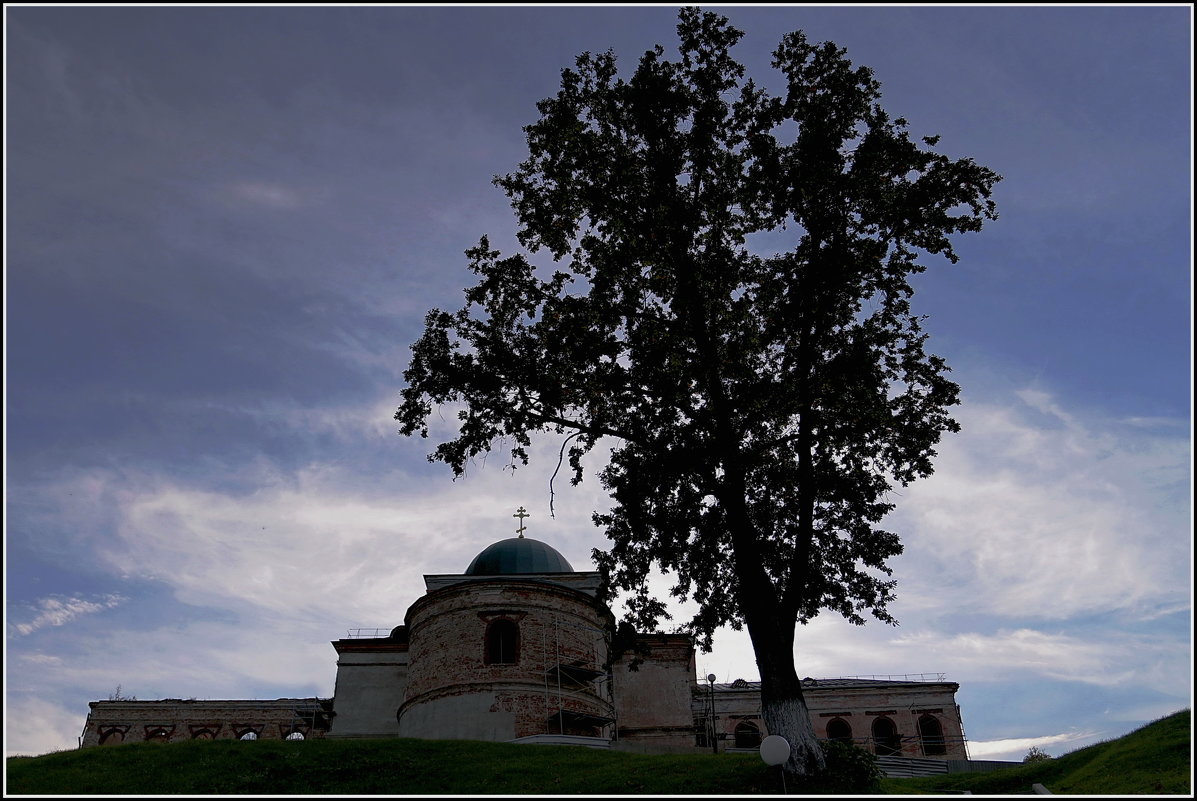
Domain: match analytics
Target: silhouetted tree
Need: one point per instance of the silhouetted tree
(760, 404)
(1036, 755)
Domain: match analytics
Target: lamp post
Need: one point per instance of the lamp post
(711, 697)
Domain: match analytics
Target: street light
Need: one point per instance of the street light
(711, 697)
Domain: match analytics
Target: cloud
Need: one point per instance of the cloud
(1035, 511)
(282, 560)
(58, 611)
(270, 195)
(41, 659)
(1016, 748)
(1103, 661)
(326, 542)
(36, 726)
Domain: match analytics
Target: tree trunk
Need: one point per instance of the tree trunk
(782, 705)
(772, 633)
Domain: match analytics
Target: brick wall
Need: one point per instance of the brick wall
(175, 720)
(448, 659)
(857, 703)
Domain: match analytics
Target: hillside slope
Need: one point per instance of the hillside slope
(1156, 759)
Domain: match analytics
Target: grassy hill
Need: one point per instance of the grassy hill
(1153, 760)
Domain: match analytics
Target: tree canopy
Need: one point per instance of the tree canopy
(761, 401)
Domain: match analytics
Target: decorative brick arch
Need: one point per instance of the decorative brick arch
(204, 731)
(247, 732)
(113, 735)
(159, 734)
(287, 731)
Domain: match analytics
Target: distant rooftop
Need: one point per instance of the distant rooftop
(842, 681)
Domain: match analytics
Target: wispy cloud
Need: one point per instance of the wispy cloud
(1101, 661)
(268, 194)
(365, 544)
(59, 610)
(1036, 512)
(41, 659)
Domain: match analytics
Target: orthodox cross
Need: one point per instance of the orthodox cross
(521, 513)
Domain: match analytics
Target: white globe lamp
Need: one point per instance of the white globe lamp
(775, 749)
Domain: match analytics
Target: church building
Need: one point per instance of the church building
(518, 648)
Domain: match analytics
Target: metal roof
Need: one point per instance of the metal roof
(841, 682)
(518, 555)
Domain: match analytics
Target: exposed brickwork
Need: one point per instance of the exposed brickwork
(175, 720)
(858, 703)
(448, 651)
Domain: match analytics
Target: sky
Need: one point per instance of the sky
(224, 227)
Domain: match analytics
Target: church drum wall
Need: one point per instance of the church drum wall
(452, 693)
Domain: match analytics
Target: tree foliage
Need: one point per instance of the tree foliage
(1035, 754)
(730, 310)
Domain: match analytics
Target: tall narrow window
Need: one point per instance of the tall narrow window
(886, 741)
(748, 735)
(502, 643)
(931, 733)
(838, 729)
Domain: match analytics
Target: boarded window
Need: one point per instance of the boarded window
(502, 643)
(931, 734)
(885, 737)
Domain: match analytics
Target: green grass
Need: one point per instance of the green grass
(1153, 760)
(396, 767)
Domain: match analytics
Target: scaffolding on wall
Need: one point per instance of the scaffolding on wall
(312, 714)
(586, 675)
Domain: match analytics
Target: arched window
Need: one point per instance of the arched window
(295, 735)
(249, 734)
(748, 735)
(886, 741)
(838, 729)
(502, 642)
(931, 733)
(157, 735)
(203, 734)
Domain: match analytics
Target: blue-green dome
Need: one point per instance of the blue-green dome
(518, 555)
